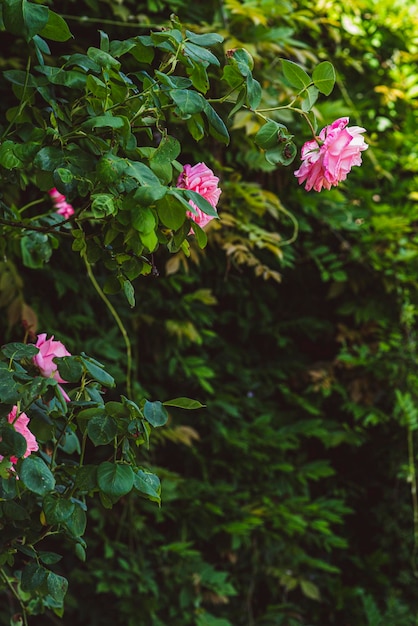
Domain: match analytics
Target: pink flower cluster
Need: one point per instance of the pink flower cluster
(60, 203)
(48, 350)
(328, 159)
(20, 424)
(202, 180)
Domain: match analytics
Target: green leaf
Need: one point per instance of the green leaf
(310, 590)
(49, 558)
(70, 368)
(77, 522)
(56, 28)
(201, 236)
(268, 135)
(115, 479)
(33, 576)
(57, 587)
(284, 154)
(295, 75)
(36, 249)
(24, 18)
(324, 77)
(69, 78)
(103, 205)
(86, 478)
(199, 77)
(148, 484)
(102, 429)
(110, 168)
(253, 92)
(171, 211)
(199, 200)
(206, 39)
(310, 98)
(188, 102)
(49, 158)
(129, 291)
(56, 508)
(12, 443)
(217, 128)
(155, 413)
(200, 55)
(102, 58)
(9, 389)
(242, 61)
(36, 475)
(8, 158)
(184, 403)
(98, 373)
(143, 220)
(18, 351)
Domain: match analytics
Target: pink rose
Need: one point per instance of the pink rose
(20, 424)
(328, 159)
(60, 203)
(48, 350)
(202, 180)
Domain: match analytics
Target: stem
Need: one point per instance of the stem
(295, 227)
(40, 229)
(93, 20)
(413, 481)
(22, 103)
(33, 203)
(118, 321)
(16, 595)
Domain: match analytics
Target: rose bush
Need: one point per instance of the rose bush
(108, 140)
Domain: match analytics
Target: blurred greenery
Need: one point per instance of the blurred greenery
(290, 499)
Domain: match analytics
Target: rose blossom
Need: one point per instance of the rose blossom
(60, 203)
(20, 424)
(328, 159)
(48, 350)
(202, 180)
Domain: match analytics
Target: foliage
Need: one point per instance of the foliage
(287, 499)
